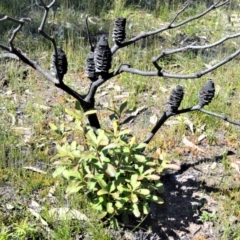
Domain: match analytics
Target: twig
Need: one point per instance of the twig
(169, 26)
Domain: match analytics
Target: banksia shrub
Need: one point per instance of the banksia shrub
(119, 33)
(102, 56)
(175, 99)
(90, 67)
(62, 63)
(206, 93)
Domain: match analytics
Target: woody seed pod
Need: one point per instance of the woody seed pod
(206, 93)
(62, 64)
(90, 67)
(102, 56)
(175, 99)
(119, 33)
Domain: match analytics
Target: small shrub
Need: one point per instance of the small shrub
(111, 169)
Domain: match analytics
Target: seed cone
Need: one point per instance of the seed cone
(119, 32)
(62, 64)
(102, 56)
(175, 99)
(90, 67)
(206, 93)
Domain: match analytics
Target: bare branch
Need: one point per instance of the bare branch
(170, 25)
(194, 47)
(219, 116)
(162, 73)
(50, 38)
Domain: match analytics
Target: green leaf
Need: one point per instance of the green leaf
(90, 112)
(119, 205)
(111, 146)
(73, 145)
(73, 187)
(73, 114)
(58, 171)
(102, 214)
(149, 171)
(71, 173)
(102, 139)
(110, 208)
(102, 192)
(156, 199)
(136, 211)
(112, 186)
(91, 135)
(141, 146)
(53, 126)
(123, 107)
(132, 141)
(153, 177)
(91, 184)
(134, 181)
(115, 195)
(146, 209)
(140, 158)
(134, 198)
(101, 182)
(143, 191)
(124, 132)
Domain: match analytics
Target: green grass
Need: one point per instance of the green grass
(13, 148)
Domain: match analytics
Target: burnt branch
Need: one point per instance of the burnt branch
(205, 97)
(171, 25)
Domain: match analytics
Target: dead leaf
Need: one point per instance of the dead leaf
(153, 119)
(65, 213)
(35, 169)
(191, 145)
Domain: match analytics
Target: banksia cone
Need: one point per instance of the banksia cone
(206, 94)
(102, 56)
(175, 99)
(119, 33)
(90, 67)
(62, 64)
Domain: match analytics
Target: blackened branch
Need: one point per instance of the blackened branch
(171, 25)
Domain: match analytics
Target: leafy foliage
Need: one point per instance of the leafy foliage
(110, 168)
